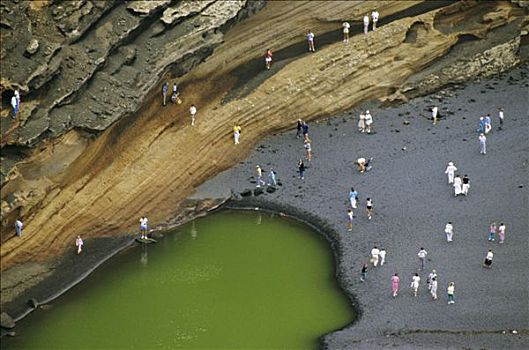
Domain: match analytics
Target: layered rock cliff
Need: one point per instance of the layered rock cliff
(93, 149)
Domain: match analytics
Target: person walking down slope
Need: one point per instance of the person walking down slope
(15, 104)
(346, 26)
(450, 171)
(395, 284)
(364, 273)
(492, 231)
(310, 41)
(268, 59)
(465, 185)
(431, 276)
(259, 176)
(192, 113)
(301, 169)
(18, 227)
(458, 183)
(299, 128)
(165, 88)
(374, 18)
(272, 178)
(79, 244)
(422, 257)
(369, 208)
(433, 288)
(374, 256)
(308, 149)
(366, 24)
(353, 197)
(501, 233)
(481, 125)
(349, 220)
(482, 144)
(236, 134)
(362, 122)
(382, 256)
(488, 259)
(450, 291)
(500, 116)
(415, 284)
(449, 230)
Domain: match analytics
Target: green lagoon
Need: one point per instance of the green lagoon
(230, 280)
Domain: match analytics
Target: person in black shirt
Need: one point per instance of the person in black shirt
(466, 185)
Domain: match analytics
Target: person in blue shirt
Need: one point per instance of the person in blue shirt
(353, 197)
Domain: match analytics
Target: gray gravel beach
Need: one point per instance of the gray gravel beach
(413, 202)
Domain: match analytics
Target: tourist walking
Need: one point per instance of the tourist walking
(18, 227)
(366, 24)
(305, 130)
(299, 128)
(450, 171)
(415, 284)
(488, 259)
(449, 231)
(369, 208)
(259, 176)
(308, 150)
(268, 59)
(481, 125)
(165, 88)
(458, 183)
(450, 290)
(395, 284)
(15, 104)
(433, 288)
(272, 178)
(236, 133)
(364, 273)
(301, 169)
(368, 122)
(382, 256)
(353, 197)
(422, 256)
(362, 122)
(310, 41)
(174, 96)
(143, 227)
(482, 143)
(350, 220)
(435, 110)
(192, 113)
(465, 185)
(492, 231)
(346, 26)
(374, 256)
(374, 18)
(488, 124)
(79, 244)
(431, 276)
(500, 116)
(501, 233)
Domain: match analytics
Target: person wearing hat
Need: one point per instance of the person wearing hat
(450, 171)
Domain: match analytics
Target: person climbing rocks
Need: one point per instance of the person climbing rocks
(345, 30)
(366, 24)
(79, 244)
(450, 171)
(15, 104)
(310, 41)
(143, 227)
(192, 113)
(374, 18)
(18, 227)
(482, 143)
(165, 88)
(268, 59)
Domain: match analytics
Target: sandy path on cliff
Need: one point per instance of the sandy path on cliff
(146, 164)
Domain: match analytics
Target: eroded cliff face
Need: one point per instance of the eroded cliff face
(145, 163)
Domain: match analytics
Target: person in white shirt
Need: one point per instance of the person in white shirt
(79, 244)
(482, 143)
(488, 259)
(458, 186)
(346, 27)
(422, 256)
(18, 227)
(374, 17)
(15, 104)
(368, 121)
(431, 276)
(501, 233)
(382, 255)
(259, 179)
(143, 227)
(435, 110)
(415, 283)
(374, 256)
(310, 41)
(449, 230)
(192, 112)
(450, 171)
(366, 24)
(362, 122)
(433, 288)
(500, 115)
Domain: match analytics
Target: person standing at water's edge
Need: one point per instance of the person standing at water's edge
(143, 227)
(310, 41)
(192, 113)
(18, 227)
(395, 284)
(79, 244)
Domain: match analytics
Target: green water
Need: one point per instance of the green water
(230, 280)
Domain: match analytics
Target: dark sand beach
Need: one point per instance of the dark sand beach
(413, 202)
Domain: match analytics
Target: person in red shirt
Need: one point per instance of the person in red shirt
(268, 59)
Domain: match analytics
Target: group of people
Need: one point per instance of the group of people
(461, 184)
(272, 181)
(365, 121)
(485, 127)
